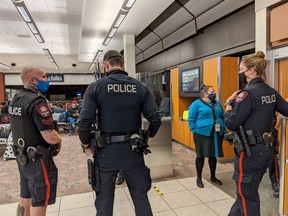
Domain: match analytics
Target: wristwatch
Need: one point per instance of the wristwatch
(84, 147)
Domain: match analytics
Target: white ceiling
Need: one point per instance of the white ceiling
(74, 30)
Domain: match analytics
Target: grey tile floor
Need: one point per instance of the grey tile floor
(181, 197)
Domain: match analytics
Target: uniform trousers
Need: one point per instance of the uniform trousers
(113, 158)
(248, 173)
(274, 169)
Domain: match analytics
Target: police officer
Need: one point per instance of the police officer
(252, 108)
(120, 100)
(35, 140)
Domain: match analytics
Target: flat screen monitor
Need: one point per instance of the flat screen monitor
(190, 80)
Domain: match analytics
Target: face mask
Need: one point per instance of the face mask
(242, 77)
(42, 85)
(212, 96)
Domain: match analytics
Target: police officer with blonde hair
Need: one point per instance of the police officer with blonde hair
(250, 114)
(120, 101)
(36, 143)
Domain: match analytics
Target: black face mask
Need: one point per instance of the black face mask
(242, 78)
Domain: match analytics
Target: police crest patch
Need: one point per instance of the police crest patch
(43, 110)
(241, 96)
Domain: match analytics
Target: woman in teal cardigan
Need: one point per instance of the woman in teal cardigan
(207, 125)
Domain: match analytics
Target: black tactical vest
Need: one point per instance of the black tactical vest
(120, 101)
(22, 124)
(260, 119)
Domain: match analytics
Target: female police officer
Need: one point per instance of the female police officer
(119, 101)
(252, 108)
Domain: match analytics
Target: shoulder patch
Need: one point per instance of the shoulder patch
(241, 96)
(48, 121)
(43, 110)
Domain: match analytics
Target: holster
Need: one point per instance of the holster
(21, 156)
(93, 175)
(100, 140)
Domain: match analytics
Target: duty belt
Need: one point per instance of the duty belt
(266, 139)
(120, 138)
(33, 152)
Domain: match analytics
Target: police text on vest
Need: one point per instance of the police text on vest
(15, 111)
(268, 99)
(121, 88)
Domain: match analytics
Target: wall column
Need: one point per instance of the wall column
(129, 54)
(2, 86)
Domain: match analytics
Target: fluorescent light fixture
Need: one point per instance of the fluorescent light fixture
(112, 32)
(39, 38)
(96, 57)
(32, 28)
(119, 20)
(50, 57)
(107, 41)
(55, 65)
(4, 66)
(91, 66)
(24, 12)
(129, 3)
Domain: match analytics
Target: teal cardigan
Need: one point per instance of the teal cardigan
(200, 118)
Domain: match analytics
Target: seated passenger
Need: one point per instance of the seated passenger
(59, 108)
(72, 115)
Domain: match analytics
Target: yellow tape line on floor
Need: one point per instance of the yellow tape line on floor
(158, 191)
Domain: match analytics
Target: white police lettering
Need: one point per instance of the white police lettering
(121, 88)
(15, 111)
(268, 99)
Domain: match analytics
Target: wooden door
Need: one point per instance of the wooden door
(282, 82)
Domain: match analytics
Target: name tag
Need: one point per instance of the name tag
(217, 127)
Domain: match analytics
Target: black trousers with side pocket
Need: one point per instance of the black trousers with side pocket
(248, 173)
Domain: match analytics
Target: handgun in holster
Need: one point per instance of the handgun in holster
(237, 143)
(93, 175)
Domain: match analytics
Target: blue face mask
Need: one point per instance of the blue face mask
(212, 96)
(42, 85)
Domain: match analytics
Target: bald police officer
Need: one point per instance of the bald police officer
(35, 139)
(119, 101)
(252, 108)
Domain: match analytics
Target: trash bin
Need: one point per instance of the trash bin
(160, 161)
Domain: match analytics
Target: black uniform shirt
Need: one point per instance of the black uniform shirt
(254, 108)
(119, 100)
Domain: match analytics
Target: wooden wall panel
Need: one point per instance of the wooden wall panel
(229, 77)
(210, 72)
(283, 90)
(278, 23)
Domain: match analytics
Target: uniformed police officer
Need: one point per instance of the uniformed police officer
(120, 100)
(252, 108)
(35, 140)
